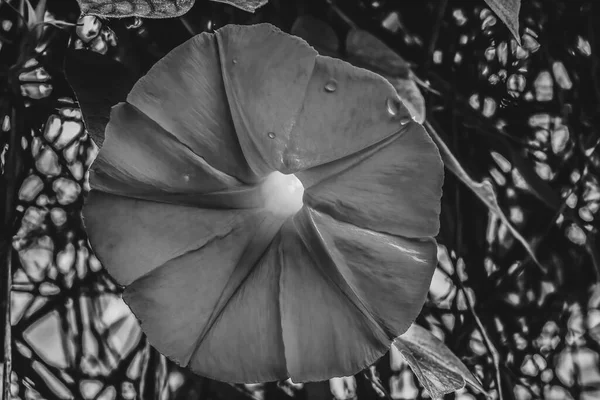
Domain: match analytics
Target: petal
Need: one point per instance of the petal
(245, 345)
(132, 237)
(140, 159)
(324, 332)
(411, 97)
(266, 73)
(182, 303)
(391, 275)
(345, 110)
(393, 188)
(184, 94)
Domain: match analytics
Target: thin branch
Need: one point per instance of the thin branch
(7, 345)
(435, 33)
(10, 175)
(489, 344)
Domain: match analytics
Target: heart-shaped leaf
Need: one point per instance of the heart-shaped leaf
(154, 8)
(508, 11)
(434, 364)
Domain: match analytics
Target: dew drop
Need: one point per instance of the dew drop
(405, 120)
(331, 86)
(271, 135)
(234, 60)
(393, 105)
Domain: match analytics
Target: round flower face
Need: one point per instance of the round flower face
(270, 211)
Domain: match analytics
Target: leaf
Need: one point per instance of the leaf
(508, 11)
(154, 8)
(434, 364)
(246, 5)
(136, 8)
(99, 83)
(366, 50)
(484, 190)
(318, 34)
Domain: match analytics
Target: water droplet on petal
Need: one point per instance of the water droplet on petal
(393, 105)
(331, 86)
(234, 60)
(271, 135)
(405, 120)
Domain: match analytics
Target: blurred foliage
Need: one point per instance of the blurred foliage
(524, 119)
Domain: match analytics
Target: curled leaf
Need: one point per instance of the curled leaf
(438, 369)
(154, 8)
(508, 11)
(246, 5)
(135, 8)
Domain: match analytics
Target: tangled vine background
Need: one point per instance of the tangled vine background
(515, 295)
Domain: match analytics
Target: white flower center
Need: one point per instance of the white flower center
(283, 193)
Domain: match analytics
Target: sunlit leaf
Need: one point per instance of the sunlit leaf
(484, 190)
(438, 369)
(154, 8)
(246, 5)
(508, 11)
(137, 8)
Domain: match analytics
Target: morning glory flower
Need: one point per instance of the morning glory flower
(271, 212)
